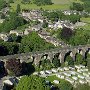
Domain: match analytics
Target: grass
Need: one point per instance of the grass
(58, 4)
(86, 20)
(86, 27)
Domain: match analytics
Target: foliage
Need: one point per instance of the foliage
(45, 24)
(11, 1)
(32, 83)
(77, 6)
(14, 66)
(18, 8)
(42, 2)
(86, 5)
(76, 37)
(66, 33)
(28, 68)
(56, 62)
(79, 59)
(8, 48)
(70, 61)
(12, 22)
(25, 1)
(33, 42)
(55, 15)
(2, 16)
(45, 64)
(3, 4)
(14, 38)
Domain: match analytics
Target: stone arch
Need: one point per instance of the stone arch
(36, 59)
(70, 53)
(44, 56)
(87, 52)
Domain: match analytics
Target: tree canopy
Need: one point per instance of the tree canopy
(33, 42)
(14, 66)
(32, 83)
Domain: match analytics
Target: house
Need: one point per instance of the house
(85, 69)
(54, 70)
(4, 37)
(67, 74)
(56, 81)
(37, 27)
(27, 31)
(66, 68)
(85, 74)
(42, 72)
(77, 67)
(75, 78)
(60, 76)
(17, 32)
(60, 69)
(48, 72)
(82, 81)
(70, 80)
(81, 76)
(73, 72)
(35, 73)
(88, 80)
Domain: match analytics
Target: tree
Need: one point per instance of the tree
(32, 83)
(56, 62)
(12, 22)
(32, 42)
(66, 33)
(77, 6)
(14, 67)
(11, 1)
(18, 8)
(79, 59)
(45, 64)
(45, 24)
(70, 61)
(3, 4)
(42, 2)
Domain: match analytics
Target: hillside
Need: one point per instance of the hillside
(58, 4)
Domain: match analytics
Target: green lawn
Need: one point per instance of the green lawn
(87, 20)
(58, 4)
(86, 27)
(52, 78)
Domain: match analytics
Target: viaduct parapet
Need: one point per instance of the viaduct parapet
(49, 54)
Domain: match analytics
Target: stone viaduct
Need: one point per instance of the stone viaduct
(49, 54)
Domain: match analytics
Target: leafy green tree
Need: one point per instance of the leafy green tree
(33, 42)
(11, 1)
(32, 83)
(56, 62)
(9, 48)
(18, 8)
(70, 61)
(12, 22)
(45, 64)
(45, 24)
(3, 4)
(79, 59)
(43, 2)
(77, 6)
